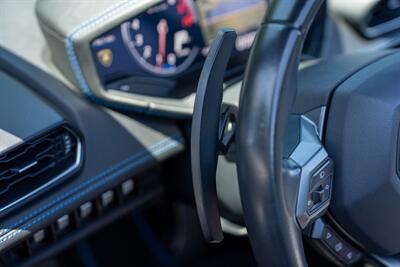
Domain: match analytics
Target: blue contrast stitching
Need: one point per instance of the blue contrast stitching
(89, 189)
(69, 44)
(80, 186)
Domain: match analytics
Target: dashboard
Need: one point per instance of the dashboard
(168, 43)
(146, 56)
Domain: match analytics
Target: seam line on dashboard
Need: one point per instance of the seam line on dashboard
(75, 66)
(157, 149)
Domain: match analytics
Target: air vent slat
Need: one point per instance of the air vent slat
(36, 163)
(6, 186)
(47, 150)
(8, 173)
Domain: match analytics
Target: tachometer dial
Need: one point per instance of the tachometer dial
(164, 39)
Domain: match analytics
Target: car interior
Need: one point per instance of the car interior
(199, 133)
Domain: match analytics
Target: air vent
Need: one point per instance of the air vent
(37, 164)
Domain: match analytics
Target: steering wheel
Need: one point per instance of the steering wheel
(267, 186)
(285, 173)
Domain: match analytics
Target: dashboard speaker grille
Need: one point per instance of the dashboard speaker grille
(36, 164)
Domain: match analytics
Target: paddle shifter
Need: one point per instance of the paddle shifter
(212, 132)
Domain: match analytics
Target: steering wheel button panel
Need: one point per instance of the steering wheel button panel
(316, 172)
(333, 243)
(322, 176)
(320, 186)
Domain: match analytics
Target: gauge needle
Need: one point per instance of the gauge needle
(162, 29)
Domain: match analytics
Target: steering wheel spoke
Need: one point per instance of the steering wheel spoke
(315, 185)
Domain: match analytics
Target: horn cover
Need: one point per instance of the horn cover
(362, 137)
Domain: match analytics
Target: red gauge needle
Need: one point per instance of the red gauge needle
(162, 29)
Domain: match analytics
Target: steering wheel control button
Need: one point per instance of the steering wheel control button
(320, 187)
(319, 195)
(338, 247)
(334, 244)
(322, 176)
(316, 174)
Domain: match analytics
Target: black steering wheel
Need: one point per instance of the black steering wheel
(268, 187)
(290, 172)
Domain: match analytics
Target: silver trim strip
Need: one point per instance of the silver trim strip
(75, 166)
(30, 165)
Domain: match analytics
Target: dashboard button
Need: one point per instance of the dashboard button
(127, 187)
(39, 236)
(85, 209)
(107, 198)
(63, 222)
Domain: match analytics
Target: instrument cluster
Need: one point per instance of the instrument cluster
(169, 42)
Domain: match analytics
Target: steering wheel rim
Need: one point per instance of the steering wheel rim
(268, 192)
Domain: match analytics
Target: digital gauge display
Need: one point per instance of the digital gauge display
(243, 16)
(164, 39)
(170, 40)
